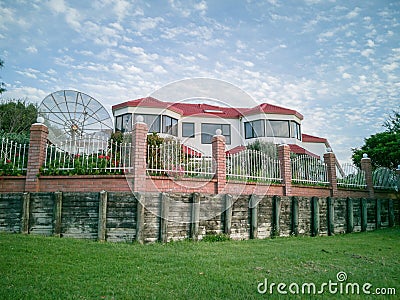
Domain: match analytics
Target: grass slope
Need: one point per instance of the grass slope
(35, 267)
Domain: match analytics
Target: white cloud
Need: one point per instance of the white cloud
(390, 67)
(159, 70)
(367, 52)
(346, 76)
(31, 49)
(72, 16)
(354, 13)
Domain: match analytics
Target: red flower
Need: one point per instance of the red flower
(8, 161)
(101, 156)
(108, 157)
(16, 154)
(77, 155)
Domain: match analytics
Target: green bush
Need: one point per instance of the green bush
(211, 238)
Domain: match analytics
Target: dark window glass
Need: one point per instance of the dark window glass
(153, 122)
(295, 131)
(208, 131)
(277, 128)
(170, 125)
(254, 129)
(126, 123)
(118, 123)
(188, 130)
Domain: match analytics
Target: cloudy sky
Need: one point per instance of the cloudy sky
(336, 62)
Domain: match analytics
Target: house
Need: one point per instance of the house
(195, 124)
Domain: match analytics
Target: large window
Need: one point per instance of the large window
(188, 129)
(123, 123)
(208, 131)
(295, 131)
(153, 121)
(277, 128)
(170, 125)
(254, 129)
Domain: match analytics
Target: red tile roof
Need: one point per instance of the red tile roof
(235, 150)
(190, 109)
(300, 150)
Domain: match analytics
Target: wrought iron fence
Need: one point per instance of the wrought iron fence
(348, 175)
(87, 156)
(384, 178)
(253, 165)
(177, 160)
(309, 170)
(13, 157)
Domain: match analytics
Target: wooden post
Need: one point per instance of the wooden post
(314, 216)
(378, 219)
(102, 225)
(330, 217)
(364, 220)
(391, 213)
(350, 215)
(228, 214)
(25, 213)
(164, 202)
(253, 206)
(276, 211)
(295, 216)
(195, 217)
(140, 198)
(58, 213)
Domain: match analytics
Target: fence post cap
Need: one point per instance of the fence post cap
(365, 155)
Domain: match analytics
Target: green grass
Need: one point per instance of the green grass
(36, 267)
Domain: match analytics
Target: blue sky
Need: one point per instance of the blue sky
(336, 62)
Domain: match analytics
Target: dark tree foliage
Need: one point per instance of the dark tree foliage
(16, 118)
(383, 148)
(2, 84)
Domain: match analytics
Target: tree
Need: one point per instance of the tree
(16, 118)
(383, 148)
(2, 84)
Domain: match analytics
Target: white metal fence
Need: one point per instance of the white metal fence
(253, 165)
(348, 175)
(13, 156)
(174, 159)
(309, 170)
(384, 178)
(87, 157)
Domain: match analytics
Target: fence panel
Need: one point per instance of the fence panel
(174, 159)
(309, 170)
(83, 157)
(253, 165)
(348, 175)
(13, 157)
(384, 178)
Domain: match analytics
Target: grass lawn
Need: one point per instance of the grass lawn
(36, 267)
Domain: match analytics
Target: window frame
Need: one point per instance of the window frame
(226, 132)
(192, 130)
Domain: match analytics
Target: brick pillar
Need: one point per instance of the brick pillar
(219, 161)
(139, 144)
(330, 161)
(366, 166)
(36, 156)
(286, 169)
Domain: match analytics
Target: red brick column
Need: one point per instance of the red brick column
(366, 166)
(286, 168)
(139, 144)
(330, 161)
(36, 156)
(219, 161)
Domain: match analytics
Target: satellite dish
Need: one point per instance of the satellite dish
(74, 119)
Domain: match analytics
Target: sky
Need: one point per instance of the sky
(337, 62)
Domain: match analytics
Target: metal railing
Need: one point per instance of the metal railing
(85, 156)
(173, 159)
(309, 170)
(348, 175)
(384, 178)
(13, 157)
(253, 165)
